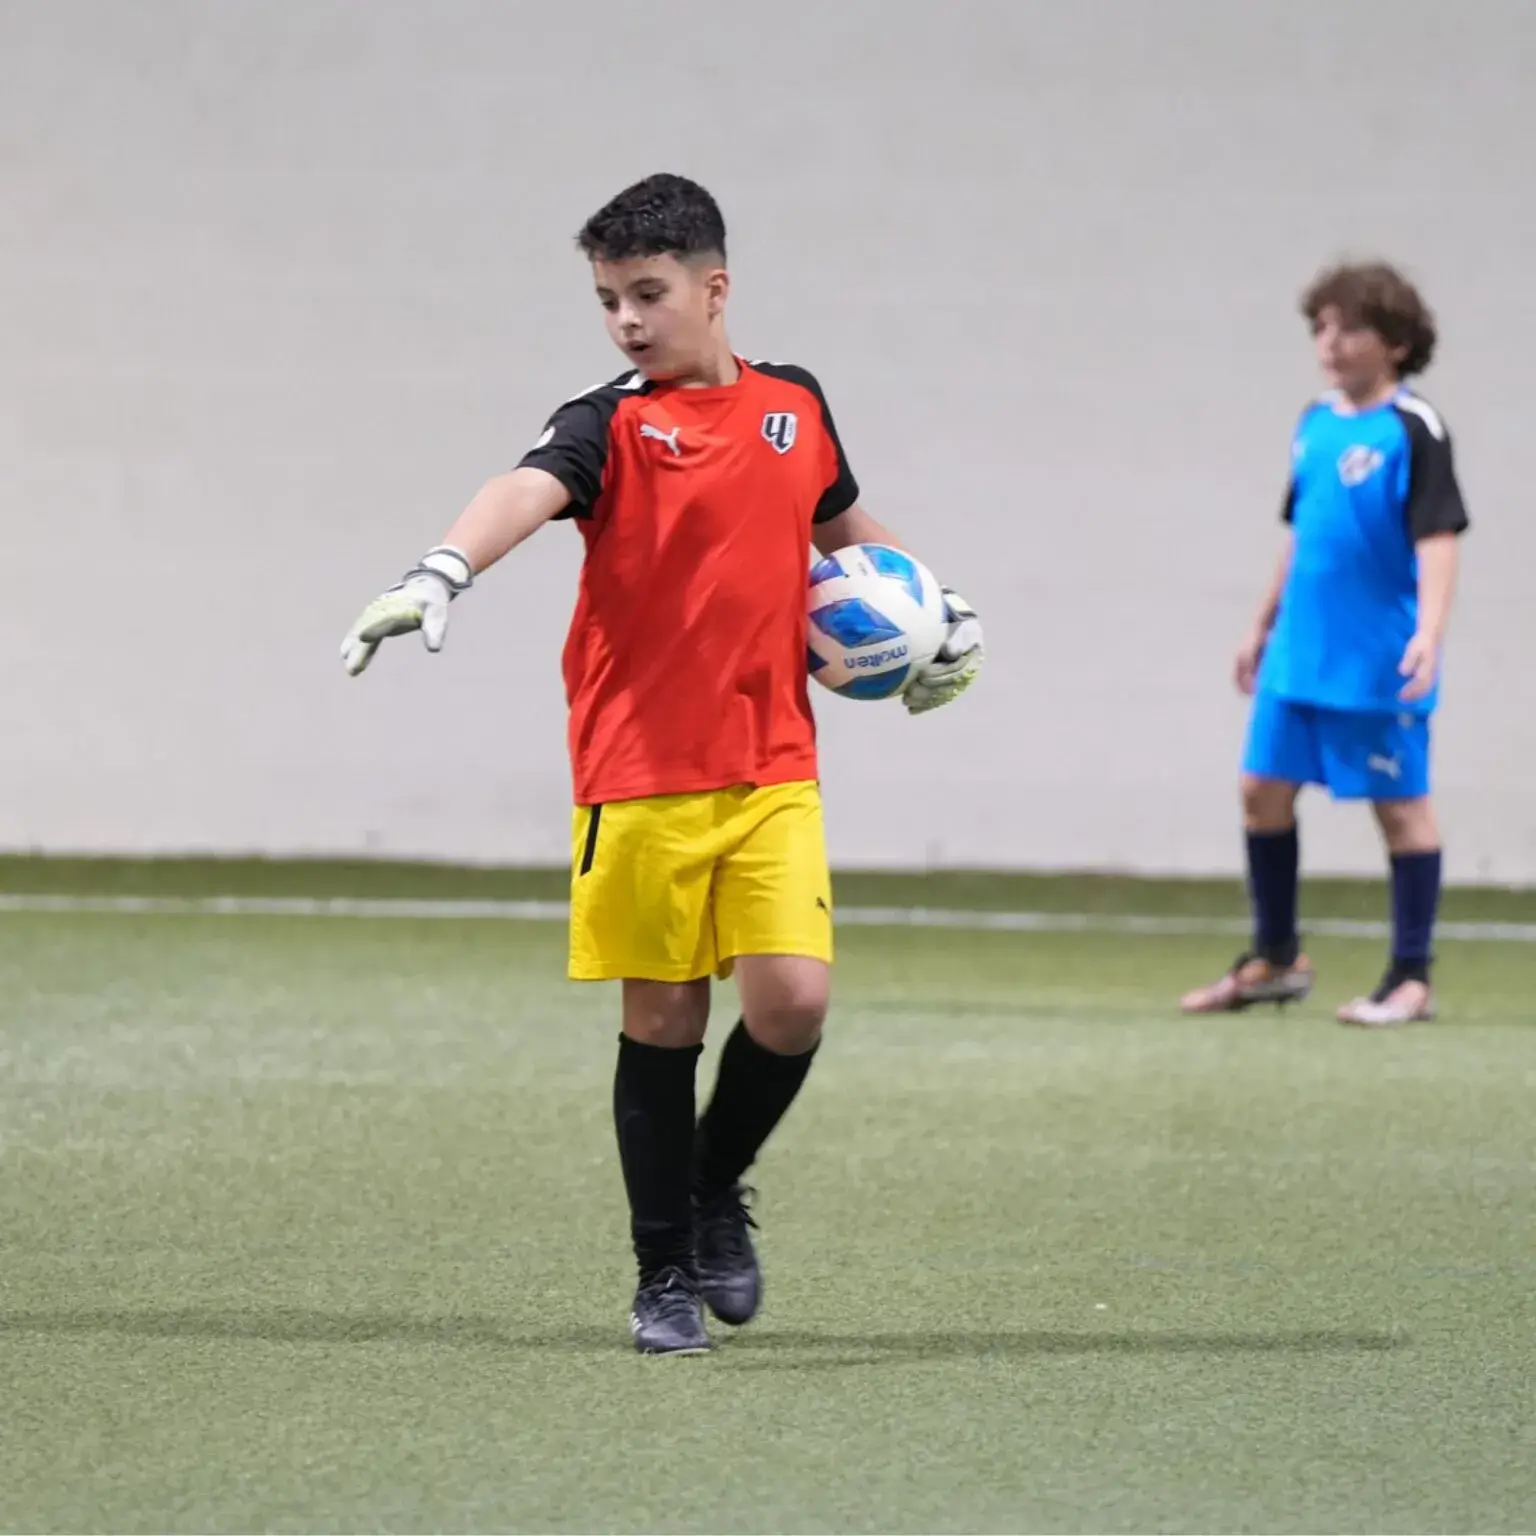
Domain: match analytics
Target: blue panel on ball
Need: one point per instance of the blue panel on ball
(879, 685)
(899, 567)
(814, 663)
(826, 569)
(852, 623)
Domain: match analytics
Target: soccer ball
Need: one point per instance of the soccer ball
(876, 616)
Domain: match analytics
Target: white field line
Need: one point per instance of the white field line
(851, 917)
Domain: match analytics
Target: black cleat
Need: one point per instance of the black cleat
(729, 1276)
(667, 1318)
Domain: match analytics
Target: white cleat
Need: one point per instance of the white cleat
(1410, 1002)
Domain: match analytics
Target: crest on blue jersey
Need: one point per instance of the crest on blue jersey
(1358, 464)
(779, 428)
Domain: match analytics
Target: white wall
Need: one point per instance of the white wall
(281, 283)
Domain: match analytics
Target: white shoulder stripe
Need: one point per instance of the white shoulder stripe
(634, 381)
(1425, 412)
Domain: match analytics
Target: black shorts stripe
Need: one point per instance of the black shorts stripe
(590, 850)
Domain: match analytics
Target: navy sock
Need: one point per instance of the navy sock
(653, 1110)
(1274, 862)
(1415, 898)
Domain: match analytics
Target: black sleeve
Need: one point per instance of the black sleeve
(1288, 506)
(574, 447)
(844, 489)
(1434, 502)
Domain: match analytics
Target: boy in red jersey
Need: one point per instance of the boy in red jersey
(698, 481)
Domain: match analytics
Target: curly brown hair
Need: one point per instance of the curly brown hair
(1375, 294)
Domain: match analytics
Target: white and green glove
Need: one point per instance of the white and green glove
(956, 666)
(419, 600)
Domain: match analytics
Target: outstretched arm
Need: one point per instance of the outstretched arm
(504, 512)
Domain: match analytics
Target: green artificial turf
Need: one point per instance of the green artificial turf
(316, 1225)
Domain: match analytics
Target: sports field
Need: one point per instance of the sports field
(313, 1223)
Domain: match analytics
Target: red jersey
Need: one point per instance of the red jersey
(685, 665)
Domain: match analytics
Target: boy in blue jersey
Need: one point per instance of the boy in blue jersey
(1343, 659)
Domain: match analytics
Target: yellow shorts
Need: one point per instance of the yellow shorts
(674, 887)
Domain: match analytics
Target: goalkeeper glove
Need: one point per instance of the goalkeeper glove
(957, 664)
(419, 600)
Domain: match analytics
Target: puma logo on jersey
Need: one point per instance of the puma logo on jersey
(1387, 765)
(669, 438)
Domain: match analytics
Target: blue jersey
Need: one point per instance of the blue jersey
(1365, 487)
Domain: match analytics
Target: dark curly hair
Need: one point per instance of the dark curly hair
(658, 216)
(1377, 295)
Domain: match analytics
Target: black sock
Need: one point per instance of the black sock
(1415, 898)
(653, 1109)
(754, 1089)
(1274, 860)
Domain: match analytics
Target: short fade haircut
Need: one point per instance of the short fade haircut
(1375, 294)
(662, 215)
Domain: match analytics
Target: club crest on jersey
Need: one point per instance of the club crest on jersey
(779, 428)
(1358, 464)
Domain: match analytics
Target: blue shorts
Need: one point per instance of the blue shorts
(1357, 756)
